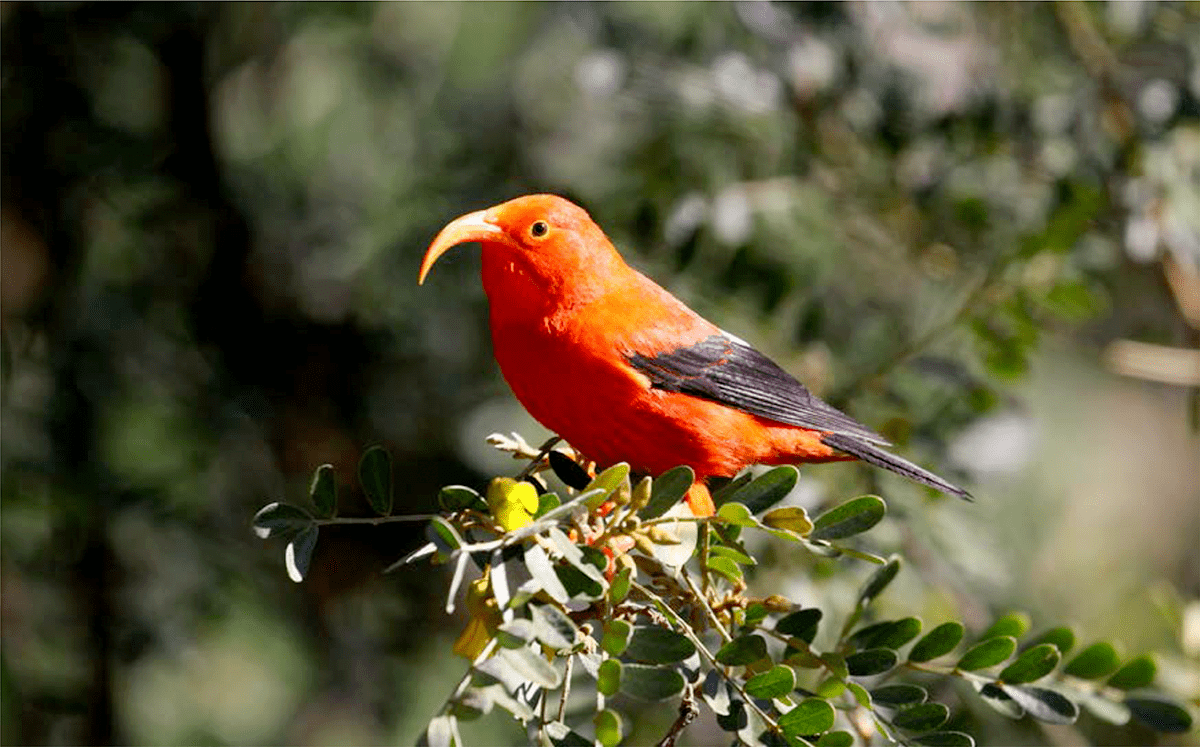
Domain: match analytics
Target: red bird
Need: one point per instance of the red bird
(624, 371)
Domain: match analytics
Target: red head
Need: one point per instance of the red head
(540, 253)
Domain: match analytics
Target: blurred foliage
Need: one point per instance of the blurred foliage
(211, 221)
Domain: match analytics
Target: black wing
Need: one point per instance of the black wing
(725, 369)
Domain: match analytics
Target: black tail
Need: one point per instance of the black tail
(872, 454)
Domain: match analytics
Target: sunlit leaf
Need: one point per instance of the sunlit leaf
(609, 680)
(1062, 638)
(608, 727)
(1097, 660)
(773, 683)
(552, 627)
(616, 636)
(987, 653)
(606, 482)
(537, 562)
(746, 649)
(836, 739)
(1014, 625)
(852, 517)
(788, 518)
(531, 666)
(1136, 673)
(937, 642)
(726, 568)
(737, 514)
(298, 554)
(810, 716)
(1033, 664)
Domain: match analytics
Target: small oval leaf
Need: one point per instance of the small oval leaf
(651, 644)
(606, 482)
(810, 716)
(1160, 714)
(608, 678)
(944, 739)
(879, 581)
(531, 665)
(608, 727)
(1095, 661)
(736, 514)
(744, 650)
(323, 490)
(616, 636)
(855, 516)
(375, 477)
(836, 739)
(458, 497)
(987, 653)
(298, 554)
(667, 490)
(870, 662)
(773, 683)
(1062, 638)
(790, 519)
(1043, 703)
(1136, 673)
(889, 634)
(650, 682)
(1034, 664)
(277, 518)
(937, 642)
(767, 489)
(921, 717)
(899, 695)
(800, 624)
(1014, 625)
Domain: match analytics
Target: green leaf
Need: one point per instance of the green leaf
(1160, 714)
(789, 519)
(375, 476)
(987, 653)
(1014, 625)
(667, 490)
(608, 728)
(607, 482)
(810, 716)
(568, 470)
(829, 688)
(1043, 703)
(577, 583)
(767, 489)
(870, 662)
(552, 627)
(773, 683)
(888, 634)
(1136, 673)
(547, 502)
(608, 677)
(836, 739)
(855, 516)
(944, 739)
(726, 568)
(937, 642)
(1095, 661)
(736, 514)
(1034, 664)
(861, 696)
(298, 554)
(444, 537)
(275, 519)
(618, 588)
(650, 682)
(921, 717)
(617, 634)
(530, 665)
(737, 556)
(755, 614)
(899, 695)
(879, 581)
(323, 490)
(800, 624)
(458, 497)
(1062, 638)
(651, 644)
(744, 650)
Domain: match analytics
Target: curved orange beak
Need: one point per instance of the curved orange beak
(470, 227)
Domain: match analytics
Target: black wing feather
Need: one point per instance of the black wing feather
(724, 369)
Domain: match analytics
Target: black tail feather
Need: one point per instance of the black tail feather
(872, 454)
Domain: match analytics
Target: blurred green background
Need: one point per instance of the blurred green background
(974, 226)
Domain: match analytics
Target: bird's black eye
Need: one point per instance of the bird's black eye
(539, 228)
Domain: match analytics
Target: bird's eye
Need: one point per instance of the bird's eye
(539, 228)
